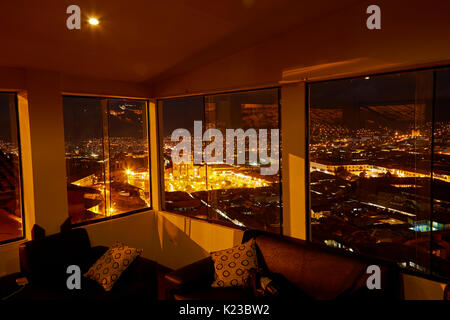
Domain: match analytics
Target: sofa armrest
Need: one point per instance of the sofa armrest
(197, 273)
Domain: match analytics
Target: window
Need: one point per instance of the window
(107, 157)
(379, 167)
(440, 228)
(236, 182)
(11, 209)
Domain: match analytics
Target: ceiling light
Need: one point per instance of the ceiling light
(93, 21)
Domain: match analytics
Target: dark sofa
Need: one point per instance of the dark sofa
(44, 262)
(314, 271)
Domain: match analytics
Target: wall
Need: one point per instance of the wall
(293, 157)
(171, 240)
(412, 33)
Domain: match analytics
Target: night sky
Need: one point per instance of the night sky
(390, 89)
(83, 118)
(6, 116)
(381, 90)
(181, 113)
(442, 110)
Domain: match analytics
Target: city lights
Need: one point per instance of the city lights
(233, 186)
(379, 173)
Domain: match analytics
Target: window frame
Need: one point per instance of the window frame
(20, 169)
(161, 182)
(147, 118)
(408, 271)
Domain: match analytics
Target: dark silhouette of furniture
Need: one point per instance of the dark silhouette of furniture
(44, 262)
(312, 270)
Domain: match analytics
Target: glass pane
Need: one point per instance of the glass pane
(85, 160)
(370, 166)
(184, 183)
(441, 176)
(209, 186)
(11, 224)
(238, 190)
(107, 156)
(128, 155)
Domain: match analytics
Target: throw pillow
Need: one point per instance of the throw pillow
(108, 268)
(232, 265)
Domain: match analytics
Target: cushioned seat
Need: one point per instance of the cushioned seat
(309, 270)
(44, 262)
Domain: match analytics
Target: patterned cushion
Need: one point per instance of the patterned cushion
(110, 266)
(232, 265)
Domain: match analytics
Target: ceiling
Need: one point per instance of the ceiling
(143, 40)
